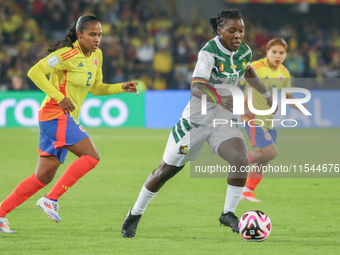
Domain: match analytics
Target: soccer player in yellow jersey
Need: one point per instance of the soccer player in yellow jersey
(262, 135)
(75, 68)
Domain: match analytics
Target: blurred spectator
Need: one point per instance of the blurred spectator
(147, 80)
(295, 63)
(145, 51)
(163, 63)
(144, 41)
(118, 76)
(159, 83)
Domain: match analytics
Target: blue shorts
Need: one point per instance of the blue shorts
(56, 133)
(261, 137)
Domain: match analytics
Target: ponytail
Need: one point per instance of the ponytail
(67, 41)
(71, 37)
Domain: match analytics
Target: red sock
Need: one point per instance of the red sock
(20, 194)
(253, 180)
(250, 159)
(73, 173)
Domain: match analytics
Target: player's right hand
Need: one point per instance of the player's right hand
(66, 105)
(227, 103)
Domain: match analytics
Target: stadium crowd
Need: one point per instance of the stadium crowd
(144, 42)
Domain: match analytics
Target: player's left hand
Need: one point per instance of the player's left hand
(277, 108)
(130, 87)
(269, 101)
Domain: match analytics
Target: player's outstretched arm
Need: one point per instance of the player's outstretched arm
(254, 80)
(198, 89)
(102, 89)
(130, 87)
(290, 96)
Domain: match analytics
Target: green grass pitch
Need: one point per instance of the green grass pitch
(183, 217)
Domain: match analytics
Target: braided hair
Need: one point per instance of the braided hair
(71, 36)
(222, 17)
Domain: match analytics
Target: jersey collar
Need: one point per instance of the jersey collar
(266, 62)
(77, 44)
(222, 48)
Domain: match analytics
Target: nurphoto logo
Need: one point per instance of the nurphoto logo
(238, 104)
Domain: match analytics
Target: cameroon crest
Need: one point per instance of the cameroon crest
(183, 150)
(221, 68)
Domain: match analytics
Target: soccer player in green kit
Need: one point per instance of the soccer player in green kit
(223, 60)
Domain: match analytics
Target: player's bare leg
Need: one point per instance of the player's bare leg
(47, 168)
(88, 159)
(153, 183)
(45, 171)
(84, 147)
(161, 175)
(264, 154)
(234, 151)
(261, 157)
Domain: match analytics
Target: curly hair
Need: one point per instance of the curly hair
(223, 16)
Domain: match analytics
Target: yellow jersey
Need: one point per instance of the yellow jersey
(279, 78)
(72, 74)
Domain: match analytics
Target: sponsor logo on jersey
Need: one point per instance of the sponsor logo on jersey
(233, 66)
(183, 150)
(81, 128)
(81, 64)
(280, 77)
(95, 61)
(52, 61)
(268, 136)
(220, 68)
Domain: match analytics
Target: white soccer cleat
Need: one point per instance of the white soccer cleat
(249, 196)
(50, 208)
(4, 226)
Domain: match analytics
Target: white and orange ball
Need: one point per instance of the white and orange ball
(255, 226)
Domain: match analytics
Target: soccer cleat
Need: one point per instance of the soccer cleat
(4, 226)
(249, 196)
(130, 224)
(229, 219)
(50, 208)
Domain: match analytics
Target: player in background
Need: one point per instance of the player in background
(273, 74)
(75, 68)
(223, 60)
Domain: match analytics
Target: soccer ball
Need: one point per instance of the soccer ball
(255, 226)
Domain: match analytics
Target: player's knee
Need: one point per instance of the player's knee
(97, 156)
(165, 172)
(239, 159)
(159, 175)
(46, 178)
(270, 155)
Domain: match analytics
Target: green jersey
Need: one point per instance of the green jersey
(217, 65)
